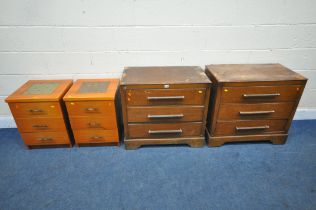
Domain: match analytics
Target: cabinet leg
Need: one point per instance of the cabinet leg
(279, 140)
(196, 144)
(213, 143)
(131, 146)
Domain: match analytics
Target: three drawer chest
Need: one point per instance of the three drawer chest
(164, 105)
(91, 106)
(39, 112)
(252, 102)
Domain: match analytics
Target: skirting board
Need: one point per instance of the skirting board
(301, 114)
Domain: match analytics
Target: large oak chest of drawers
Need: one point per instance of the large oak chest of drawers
(164, 105)
(252, 102)
(91, 106)
(39, 112)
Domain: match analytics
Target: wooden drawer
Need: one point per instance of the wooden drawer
(255, 111)
(20, 110)
(165, 113)
(78, 123)
(45, 138)
(165, 97)
(261, 93)
(40, 124)
(164, 130)
(95, 136)
(91, 108)
(246, 127)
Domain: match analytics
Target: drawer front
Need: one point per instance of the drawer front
(249, 127)
(165, 97)
(93, 122)
(261, 94)
(164, 130)
(45, 138)
(20, 110)
(165, 113)
(40, 124)
(95, 136)
(90, 108)
(255, 111)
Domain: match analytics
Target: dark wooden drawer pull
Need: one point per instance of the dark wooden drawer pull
(261, 95)
(36, 110)
(96, 137)
(40, 126)
(46, 139)
(165, 116)
(252, 128)
(153, 98)
(91, 109)
(256, 112)
(179, 131)
(94, 125)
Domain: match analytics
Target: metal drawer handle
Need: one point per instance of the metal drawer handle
(165, 116)
(153, 98)
(40, 126)
(256, 112)
(35, 110)
(179, 131)
(252, 128)
(261, 95)
(96, 137)
(91, 109)
(46, 139)
(94, 125)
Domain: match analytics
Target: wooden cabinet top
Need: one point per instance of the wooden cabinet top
(163, 75)
(40, 90)
(230, 73)
(92, 89)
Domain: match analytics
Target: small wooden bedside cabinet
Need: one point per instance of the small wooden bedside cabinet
(38, 110)
(253, 102)
(92, 112)
(164, 105)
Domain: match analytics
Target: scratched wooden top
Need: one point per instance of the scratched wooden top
(163, 75)
(251, 73)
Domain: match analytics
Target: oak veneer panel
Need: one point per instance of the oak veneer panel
(96, 136)
(249, 127)
(40, 124)
(164, 130)
(88, 122)
(46, 138)
(277, 94)
(35, 109)
(90, 108)
(167, 97)
(165, 113)
(229, 111)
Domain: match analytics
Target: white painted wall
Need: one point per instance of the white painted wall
(48, 39)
